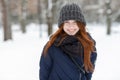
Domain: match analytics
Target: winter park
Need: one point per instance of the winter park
(23, 35)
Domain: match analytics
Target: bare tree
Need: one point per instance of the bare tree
(39, 8)
(108, 17)
(23, 16)
(54, 10)
(6, 20)
(49, 16)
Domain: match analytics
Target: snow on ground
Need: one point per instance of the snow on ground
(19, 58)
(107, 64)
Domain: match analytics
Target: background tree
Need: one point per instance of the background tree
(46, 12)
(108, 17)
(23, 16)
(6, 20)
(49, 16)
(39, 8)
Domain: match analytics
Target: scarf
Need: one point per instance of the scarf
(70, 45)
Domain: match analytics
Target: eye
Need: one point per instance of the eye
(74, 23)
(66, 23)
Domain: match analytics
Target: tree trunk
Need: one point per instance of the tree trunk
(40, 15)
(23, 26)
(49, 23)
(23, 16)
(54, 10)
(6, 24)
(49, 18)
(108, 17)
(108, 25)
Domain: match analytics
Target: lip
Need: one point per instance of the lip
(71, 30)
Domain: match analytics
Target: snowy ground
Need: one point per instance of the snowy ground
(19, 58)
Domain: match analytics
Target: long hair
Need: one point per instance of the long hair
(83, 37)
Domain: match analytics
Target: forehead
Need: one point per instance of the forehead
(70, 21)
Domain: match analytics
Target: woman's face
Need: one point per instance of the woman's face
(70, 27)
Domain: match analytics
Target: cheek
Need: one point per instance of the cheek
(65, 29)
(77, 29)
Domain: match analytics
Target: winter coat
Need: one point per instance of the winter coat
(57, 65)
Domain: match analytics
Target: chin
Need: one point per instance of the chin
(71, 34)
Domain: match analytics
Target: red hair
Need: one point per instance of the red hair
(83, 37)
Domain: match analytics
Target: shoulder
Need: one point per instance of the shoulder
(51, 48)
(90, 36)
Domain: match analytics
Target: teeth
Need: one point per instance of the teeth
(71, 30)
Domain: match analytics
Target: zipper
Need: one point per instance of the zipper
(80, 76)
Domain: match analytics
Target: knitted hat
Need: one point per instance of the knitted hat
(71, 12)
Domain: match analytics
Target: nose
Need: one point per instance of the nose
(71, 25)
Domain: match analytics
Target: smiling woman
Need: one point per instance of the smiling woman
(71, 27)
(70, 54)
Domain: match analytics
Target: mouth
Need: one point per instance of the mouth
(71, 30)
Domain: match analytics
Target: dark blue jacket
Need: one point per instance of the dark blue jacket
(56, 65)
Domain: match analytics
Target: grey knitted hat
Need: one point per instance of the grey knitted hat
(71, 12)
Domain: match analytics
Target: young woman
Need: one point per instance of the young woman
(70, 54)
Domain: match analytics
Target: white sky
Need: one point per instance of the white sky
(19, 58)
